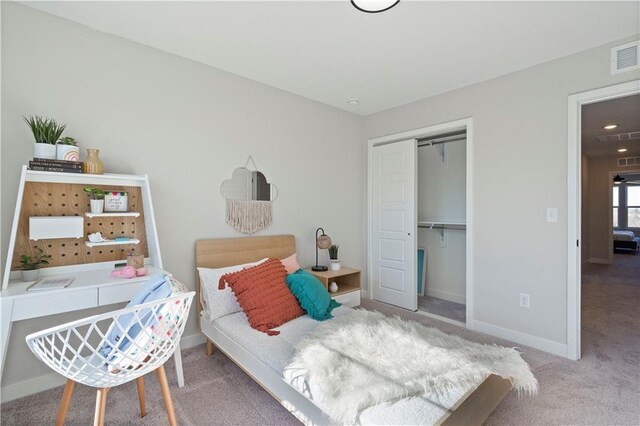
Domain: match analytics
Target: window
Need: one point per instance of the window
(626, 206)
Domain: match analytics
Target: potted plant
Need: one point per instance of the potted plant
(67, 149)
(333, 258)
(46, 132)
(31, 265)
(97, 199)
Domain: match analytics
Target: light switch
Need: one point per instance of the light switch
(552, 214)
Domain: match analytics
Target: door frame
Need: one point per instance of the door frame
(574, 203)
(450, 126)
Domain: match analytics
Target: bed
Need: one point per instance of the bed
(265, 358)
(626, 241)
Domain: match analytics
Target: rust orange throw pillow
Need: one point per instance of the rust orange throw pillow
(263, 295)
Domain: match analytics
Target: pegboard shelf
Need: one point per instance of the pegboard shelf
(113, 214)
(112, 242)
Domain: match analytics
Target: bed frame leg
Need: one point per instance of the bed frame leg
(210, 347)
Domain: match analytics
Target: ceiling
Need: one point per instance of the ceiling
(625, 112)
(330, 52)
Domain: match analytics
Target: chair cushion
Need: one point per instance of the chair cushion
(312, 295)
(263, 295)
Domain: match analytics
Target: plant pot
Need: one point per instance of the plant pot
(333, 287)
(97, 206)
(68, 153)
(335, 264)
(30, 274)
(44, 150)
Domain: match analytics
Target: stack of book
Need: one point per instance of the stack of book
(47, 165)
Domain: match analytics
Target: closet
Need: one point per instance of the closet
(419, 233)
(441, 239)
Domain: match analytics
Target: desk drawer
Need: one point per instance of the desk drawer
(351, 299)
(38, 305)
(118, 293)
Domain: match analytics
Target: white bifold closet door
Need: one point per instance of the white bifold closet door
(393, 245)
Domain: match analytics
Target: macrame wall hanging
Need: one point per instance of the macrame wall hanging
(249, 197)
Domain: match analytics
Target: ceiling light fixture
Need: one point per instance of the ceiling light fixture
(374, 6)
(353, 102)
(610, 126)
(618, 179)
(622, 150)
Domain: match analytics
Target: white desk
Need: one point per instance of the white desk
(89, 289)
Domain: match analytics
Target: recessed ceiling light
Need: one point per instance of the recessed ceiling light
(353, 102)
(610, 126)
(622, 150)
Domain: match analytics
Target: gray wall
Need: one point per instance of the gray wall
(519, 169)
(187, 126)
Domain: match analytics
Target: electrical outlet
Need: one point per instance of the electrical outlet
(524, 300)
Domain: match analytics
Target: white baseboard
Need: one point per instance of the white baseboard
(540, 343)
(53, 380)
(598, 260)
(445, 295)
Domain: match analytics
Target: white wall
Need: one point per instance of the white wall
(187, 126)
(585, 248)
(599, 205)
(442, 198)
(519, 169)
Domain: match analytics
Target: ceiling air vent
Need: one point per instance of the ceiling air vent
(625, 57)
(628, 161)
(620, 137)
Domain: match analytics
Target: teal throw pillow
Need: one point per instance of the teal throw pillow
(311, 294)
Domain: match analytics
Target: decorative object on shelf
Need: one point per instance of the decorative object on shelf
(67, 149)
(46, 132)
(249, 199)
(322, 242)
(97, 199)
(135, 260)
(115, 201)
(97, 237)
(31, 264)
(92, 164)
(333, 287)
(333, 258)
(43, 165)
(374, 6)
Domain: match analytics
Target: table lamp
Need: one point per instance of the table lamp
(322, 242)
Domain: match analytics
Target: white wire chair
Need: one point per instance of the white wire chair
(86, 352)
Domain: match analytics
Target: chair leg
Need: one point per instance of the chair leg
(140, 383)
(101, 407)
(166, 395)
(64, 404)
(210, 347)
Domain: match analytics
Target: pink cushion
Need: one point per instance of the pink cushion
(291, 263)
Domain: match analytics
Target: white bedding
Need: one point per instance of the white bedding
(276, 352)
(623, 235)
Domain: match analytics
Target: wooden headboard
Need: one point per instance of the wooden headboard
(223, 252)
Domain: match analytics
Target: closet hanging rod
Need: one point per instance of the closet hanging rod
(452, 226)
(430, 141)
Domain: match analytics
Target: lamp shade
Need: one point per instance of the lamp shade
(323, 242)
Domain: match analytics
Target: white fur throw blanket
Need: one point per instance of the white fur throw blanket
(365, 358)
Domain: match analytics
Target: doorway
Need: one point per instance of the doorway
(397, 232)
(590, 187)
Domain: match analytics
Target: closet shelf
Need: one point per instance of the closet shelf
(113, 242)
(460, 226)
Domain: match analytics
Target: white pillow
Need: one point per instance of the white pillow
(219, 303)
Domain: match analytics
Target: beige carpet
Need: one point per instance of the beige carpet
(601, 389)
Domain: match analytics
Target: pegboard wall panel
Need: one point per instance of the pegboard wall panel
(63, 199)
